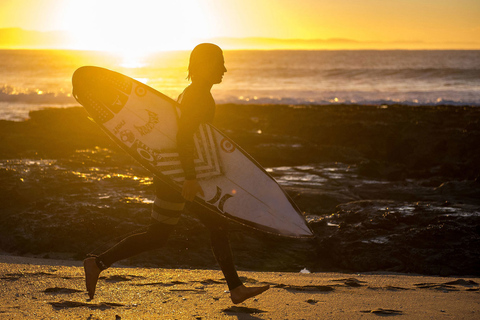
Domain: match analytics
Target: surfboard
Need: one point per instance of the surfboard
(144, 122)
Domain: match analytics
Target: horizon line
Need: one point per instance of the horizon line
(12, 39)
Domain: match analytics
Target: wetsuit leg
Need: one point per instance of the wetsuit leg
(154, 238)
(166, 212)
(220, 242)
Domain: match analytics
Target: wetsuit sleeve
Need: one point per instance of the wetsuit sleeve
(187, 126)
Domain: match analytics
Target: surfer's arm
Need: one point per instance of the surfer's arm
(187, 126)
(186, 148)
(195, 106)
(185, 151)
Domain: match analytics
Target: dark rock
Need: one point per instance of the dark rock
(385, 235)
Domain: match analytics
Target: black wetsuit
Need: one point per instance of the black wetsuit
(197, 106)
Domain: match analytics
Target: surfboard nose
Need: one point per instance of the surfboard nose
(79, 82)
(81, 74)
(87, 76)
(101, 91)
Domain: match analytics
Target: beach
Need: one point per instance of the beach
(391, 192)
(54, 289)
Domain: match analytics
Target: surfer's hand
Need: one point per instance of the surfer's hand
(190, 189)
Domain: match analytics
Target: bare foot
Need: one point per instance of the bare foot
(242, 293)
(92, 272)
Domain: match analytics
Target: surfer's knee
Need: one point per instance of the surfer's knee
(158, 232)
(219, 234)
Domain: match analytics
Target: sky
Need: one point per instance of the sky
(176, 24)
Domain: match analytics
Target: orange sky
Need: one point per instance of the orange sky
(179, 24)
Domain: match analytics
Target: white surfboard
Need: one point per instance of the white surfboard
(144, 123)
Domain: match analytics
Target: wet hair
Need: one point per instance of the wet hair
(203, 54)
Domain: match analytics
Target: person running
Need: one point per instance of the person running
(206, 68)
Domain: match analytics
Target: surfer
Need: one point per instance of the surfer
(206, 68)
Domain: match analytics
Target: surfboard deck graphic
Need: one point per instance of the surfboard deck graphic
(143, 122)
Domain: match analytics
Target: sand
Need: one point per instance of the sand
(34, 288)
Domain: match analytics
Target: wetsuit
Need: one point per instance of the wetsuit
(197, 106)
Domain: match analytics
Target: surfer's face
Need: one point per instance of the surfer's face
(212, 71)
(218, 70)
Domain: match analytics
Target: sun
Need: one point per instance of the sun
(134, 28)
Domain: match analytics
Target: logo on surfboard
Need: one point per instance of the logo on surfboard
(227, 145)
(220, 199)
(140, 91)
(148, 127)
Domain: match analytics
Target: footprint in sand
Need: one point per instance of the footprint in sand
(449, 286)
(76, 304)
(350, 282)
(16, 276)
(11, 276)
(437, 286)
(394, 288)
(210, 281)
(381, 311)
(303, 288)
(117, 278)
(163, 284)
(248, 280)
(244, 310)
(188, 290)
(58, 290)
(462, 282)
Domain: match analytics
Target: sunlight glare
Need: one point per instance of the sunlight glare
(133, 60)
(135, 28)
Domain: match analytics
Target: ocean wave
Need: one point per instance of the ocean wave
(369, 74)
(13, 95)
(437, 74)
(34, 96)
(361, 98)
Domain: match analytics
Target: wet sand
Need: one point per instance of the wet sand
(54, 289)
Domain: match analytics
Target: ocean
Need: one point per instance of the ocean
(35, 79)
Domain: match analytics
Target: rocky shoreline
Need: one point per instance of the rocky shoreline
(392, 188)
